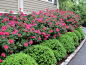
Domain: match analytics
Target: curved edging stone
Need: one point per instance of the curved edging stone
(69, 58)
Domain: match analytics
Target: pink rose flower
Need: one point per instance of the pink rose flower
(33, 28)
(51, 30)
(31, 42)
(57, 30)
(50, 23)
(10, 41)
(6, 47)
(4, 28)
(34, 24)
(10, 51)
(39, 38)
(14, 17)
(7, 33)
(44, 22)
(27, 37)
(59, 34)
(3, 54)
(14, 32)
(3, 37)
(36, 31)
(33, 15)
(44, 33)
(19, 35)
(26, 44)
(33, 21)
(3, 33)
(0, 60)
(48, 34)
(11, 11)
(44, 28)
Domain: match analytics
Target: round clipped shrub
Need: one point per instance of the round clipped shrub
(75, 38)
(78, 34)
(19, 59)
(43, 55)
(67, 42)
(57, 47)
(81, 32)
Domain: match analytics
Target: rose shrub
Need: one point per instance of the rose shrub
(19, 31)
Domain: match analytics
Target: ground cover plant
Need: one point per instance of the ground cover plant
(22, 31)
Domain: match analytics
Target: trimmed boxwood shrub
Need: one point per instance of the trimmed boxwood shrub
(57, 47)
(80, 30)
(78, 34)
(67, 42)
(19, 59)
(43, 55)
(75, 38)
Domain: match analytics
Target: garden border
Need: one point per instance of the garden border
(69, 58)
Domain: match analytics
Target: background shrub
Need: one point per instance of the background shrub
(78, 34)
(80, 30)
(75, 38)
(67, 42)
(19, 59)
(57, 47)
(42, 54)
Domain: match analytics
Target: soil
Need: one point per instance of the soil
(59, 62)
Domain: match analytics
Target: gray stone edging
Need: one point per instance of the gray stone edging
(69, 58)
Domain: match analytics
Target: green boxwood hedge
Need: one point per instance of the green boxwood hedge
(19, 59)
(78, 34)
(57, 47)
(75, 38)
(80, 30)
(43, 55)
(67, 42)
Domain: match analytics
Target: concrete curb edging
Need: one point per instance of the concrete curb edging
(69, 58)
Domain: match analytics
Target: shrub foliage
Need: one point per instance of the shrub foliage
(57, 47)
(42, 55)
(19, 59)
(78, 34)
(75, 38)
(80, 30)
(67, 42)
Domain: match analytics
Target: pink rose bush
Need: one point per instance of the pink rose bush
(22, 30)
